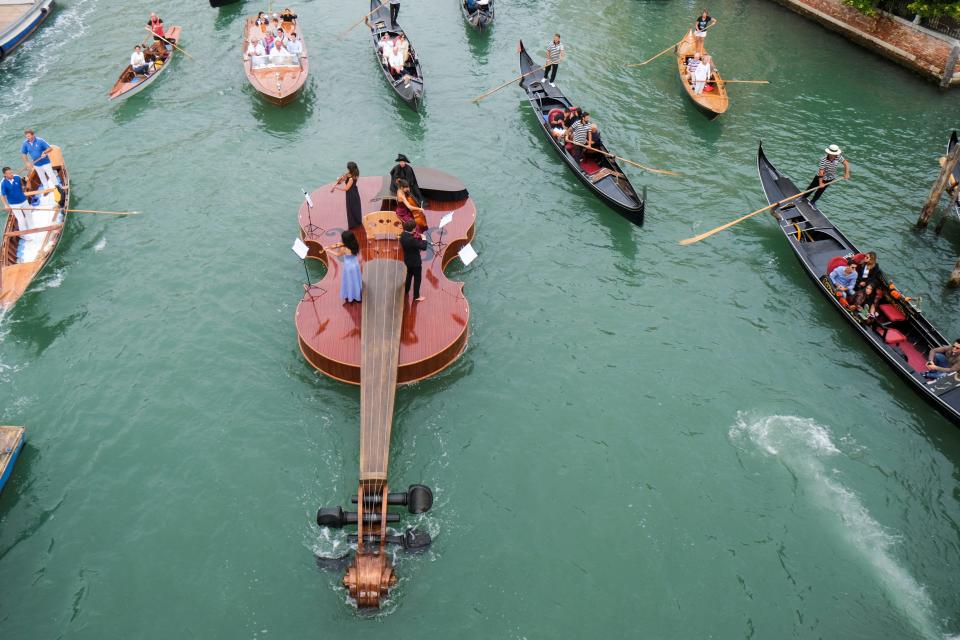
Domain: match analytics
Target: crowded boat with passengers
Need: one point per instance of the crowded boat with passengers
(275, 56)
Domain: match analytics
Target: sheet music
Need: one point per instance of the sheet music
(467, 254)
(445, 220)
(306, 196)
(300, 249)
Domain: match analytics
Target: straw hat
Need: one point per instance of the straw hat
(833, 150)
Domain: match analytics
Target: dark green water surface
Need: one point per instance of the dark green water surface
(642, 440)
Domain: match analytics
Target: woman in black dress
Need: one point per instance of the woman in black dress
(349, 182)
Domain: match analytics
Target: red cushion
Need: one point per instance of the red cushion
(708, 88)
(891, 313)
(892, 336)
(569, 147)
(838, 261)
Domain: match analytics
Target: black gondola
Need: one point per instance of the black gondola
(901, 334)
(409, 86)
(221, 3)
(955, 180)
(481, 17)
(601, 174)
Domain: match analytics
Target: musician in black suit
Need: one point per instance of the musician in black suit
(412, 246)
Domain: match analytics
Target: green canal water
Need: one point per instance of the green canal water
(642, 440)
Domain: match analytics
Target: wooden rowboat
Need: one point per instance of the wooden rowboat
(712, 103)
(11, 442)
(409, 86)
(479, 18)
(601, 174)
(24, 252)
(901, 335)
(160, 54)
(279, 80)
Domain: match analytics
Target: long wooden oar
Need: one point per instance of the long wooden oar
(703, 236)
(359, 22)
(505, 84)
(630, 162)
(170, 43)
(109, 213)
(747, 81)
(670, 48)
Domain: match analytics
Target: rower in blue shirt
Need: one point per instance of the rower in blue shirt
(35, 155)
(15, 198)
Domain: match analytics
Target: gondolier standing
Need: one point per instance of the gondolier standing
(555, 55)
(394, 11)
(14, 199)
(828, 171)
(155, 24)
(700, 26)
(35, 152)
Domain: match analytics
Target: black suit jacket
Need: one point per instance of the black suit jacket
(407, 174)
(412, 246)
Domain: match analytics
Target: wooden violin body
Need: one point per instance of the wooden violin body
(385, 340)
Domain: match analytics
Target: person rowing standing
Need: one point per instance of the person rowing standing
(394, 12)
(36, 156)
(827, 172)
(700, 26)
(155, 24)
(556, 53)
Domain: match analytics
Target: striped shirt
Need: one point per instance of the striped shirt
(829, 167)
(692, 64)
(581, 132)
(553, 53)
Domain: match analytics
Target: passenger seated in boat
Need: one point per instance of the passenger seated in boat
(868, 272)
(700, 76)
(261, 22)
(138, 62)
(579, 135)
(572, 115)
(864, 303)
(395, 62)
(288, 16)
(711, 70)
(943, 361)
(407, 208)
(555, 124)
(403, 48)
(294, 46)
(268, 42)
(692, 64)
(844, 280)
(275, 25)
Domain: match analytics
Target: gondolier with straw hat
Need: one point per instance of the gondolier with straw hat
(827, 172)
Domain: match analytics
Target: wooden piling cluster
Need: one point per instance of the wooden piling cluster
(946, 181)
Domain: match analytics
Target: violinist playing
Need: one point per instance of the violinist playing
(349, 182)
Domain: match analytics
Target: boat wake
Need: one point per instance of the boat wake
(804, 446)
(65, 24)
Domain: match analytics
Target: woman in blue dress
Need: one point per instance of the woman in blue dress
(351, 281)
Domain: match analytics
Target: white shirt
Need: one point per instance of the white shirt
(294, 47)
(702, 72)
(260, 51)
(137, 59)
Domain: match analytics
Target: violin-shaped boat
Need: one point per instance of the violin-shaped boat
(713, 100)
(278, 78)
(901, 334)
(407, 83)
(158, 56)
(25, 250)
(383, 341)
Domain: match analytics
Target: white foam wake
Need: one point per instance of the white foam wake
(65, 24)
(803, 445)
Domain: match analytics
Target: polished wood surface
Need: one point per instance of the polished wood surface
(714, 102)
(279, 85)
(15, 277)
(433, 332)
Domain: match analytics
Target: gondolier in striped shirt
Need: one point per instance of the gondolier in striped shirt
(579, 133)
(555, 55)
(827, 172)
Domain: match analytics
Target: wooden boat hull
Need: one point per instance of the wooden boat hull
(278, 85)
(713, 103)
(11, 442)
(410, 92)
(15, 277)
(616, 192)
(819, 241)
(480, 20)
(122, 90)
(16, 27)
(221, 3)
(955, 177)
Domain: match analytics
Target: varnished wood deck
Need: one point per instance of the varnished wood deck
(433, 332)
(10, 13)
(380, 346)
(714, 102)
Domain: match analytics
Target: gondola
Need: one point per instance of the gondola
(159, 55)
(601, 174)
(279, 79)
(902, 335)
(409, 85)
(24, 252)
(221, 3)
(713, 101)
(481, 17)
(955, 177)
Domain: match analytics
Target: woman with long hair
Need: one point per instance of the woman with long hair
(349, 185)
